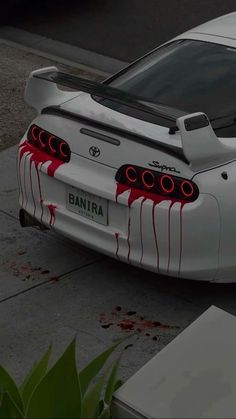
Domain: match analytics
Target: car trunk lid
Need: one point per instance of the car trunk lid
(114, 139)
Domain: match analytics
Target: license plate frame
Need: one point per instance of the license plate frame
(87, 205)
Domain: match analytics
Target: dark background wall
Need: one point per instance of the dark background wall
(124, 29)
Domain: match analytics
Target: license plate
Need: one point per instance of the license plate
(87, 205)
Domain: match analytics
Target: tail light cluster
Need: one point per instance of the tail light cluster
(157, 183)
(49, 143)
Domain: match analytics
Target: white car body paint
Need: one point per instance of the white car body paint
(192, 240)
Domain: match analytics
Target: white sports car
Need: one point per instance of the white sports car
(141, 167)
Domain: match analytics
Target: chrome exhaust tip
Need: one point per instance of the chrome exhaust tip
(26, 220)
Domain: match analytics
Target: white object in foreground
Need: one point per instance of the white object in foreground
(192, 377)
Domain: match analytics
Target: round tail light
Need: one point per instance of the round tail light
(49, 143)
(187, 189)
(64, 151)
(34, 134)
(131, 174)
(52, 143)
(167, 184)
(42, 139)
(148, 179)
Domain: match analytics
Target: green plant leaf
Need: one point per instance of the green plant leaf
(112, 381)
(105, 414)
(92, 369)
(33, 378)
(58, 394)
(8, 409)
(7, 384)
(91, 401)
(118, 384)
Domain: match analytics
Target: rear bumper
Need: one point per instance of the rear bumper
(165, 238)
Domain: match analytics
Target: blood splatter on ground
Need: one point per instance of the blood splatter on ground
(21, 252)
(102, 317)
(24, 271)
(127, 324)
(106, 326)
(129, 320)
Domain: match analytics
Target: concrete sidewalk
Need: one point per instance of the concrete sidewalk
(52, 289)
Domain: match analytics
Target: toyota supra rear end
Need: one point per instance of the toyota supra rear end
(141, 167)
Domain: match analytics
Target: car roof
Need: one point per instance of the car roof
(223, 26)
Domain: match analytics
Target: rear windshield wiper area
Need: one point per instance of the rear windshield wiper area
(165, 110)
(224, 126)
(150, 112)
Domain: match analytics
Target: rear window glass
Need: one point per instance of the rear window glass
(193, 76)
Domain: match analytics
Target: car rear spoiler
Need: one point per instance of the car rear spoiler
(202, 148)
(200, 145)
(52, 75)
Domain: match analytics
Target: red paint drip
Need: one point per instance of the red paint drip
(128, 237)
(117, 244)
(180, 236)
(39, 156)
(26, 197)
(40, 192)
(136, 194)
(120, 189)
(141, 232)
(155, 234)
(19, 177)
(168, 265)
(31, 186)
(52, 209)
(156, 199)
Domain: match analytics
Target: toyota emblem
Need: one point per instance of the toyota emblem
(94, 151)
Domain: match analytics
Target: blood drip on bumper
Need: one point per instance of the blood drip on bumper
(38, 157)
(134, 195)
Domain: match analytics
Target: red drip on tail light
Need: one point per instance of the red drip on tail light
(167, 184)
(187, 189)
(148, 179)
(131, 174)
(154, 185)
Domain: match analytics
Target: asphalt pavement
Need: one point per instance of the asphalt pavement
(123, 29)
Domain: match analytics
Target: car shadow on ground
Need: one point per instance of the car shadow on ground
(201, 294)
